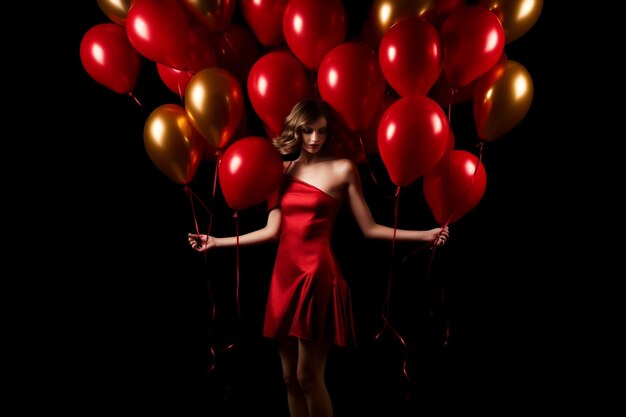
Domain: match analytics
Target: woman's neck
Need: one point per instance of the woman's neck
(310, 158)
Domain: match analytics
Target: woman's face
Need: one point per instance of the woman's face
(314, 135)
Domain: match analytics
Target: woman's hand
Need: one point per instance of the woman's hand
(200, 242)
(440, 236)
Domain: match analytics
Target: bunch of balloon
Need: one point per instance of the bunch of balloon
(172, 143)
(454, 186)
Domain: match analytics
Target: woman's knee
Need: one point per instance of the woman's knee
(309, 380)
(291, 380)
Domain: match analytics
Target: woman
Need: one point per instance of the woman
(308, 307)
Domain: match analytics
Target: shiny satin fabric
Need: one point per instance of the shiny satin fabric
(308, 297)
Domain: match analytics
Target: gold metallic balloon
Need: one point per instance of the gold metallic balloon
(215, 105)
(516, 16)
(384, 13)
(214, 14)
(116, 10)
(502, 97)
(172, 143)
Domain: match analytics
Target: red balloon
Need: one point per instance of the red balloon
(265, 18)
(216, 15)
(312, 28)
(277, 81)
(109, 58)
(445, 94)
(451, 141)
(413, 135)
(174, 79)
(201, 51)
(160, 30)
(237, 50)
(473, 41)
(455, 186)
(411, 56)
(249, 171)
(370, 136)
(351, 82)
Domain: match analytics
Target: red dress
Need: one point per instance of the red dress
(308, 296)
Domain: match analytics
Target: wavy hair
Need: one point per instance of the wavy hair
(302, 114)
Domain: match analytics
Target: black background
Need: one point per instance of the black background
(140, 315)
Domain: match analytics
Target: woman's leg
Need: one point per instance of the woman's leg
(296, 401)
(312, 356)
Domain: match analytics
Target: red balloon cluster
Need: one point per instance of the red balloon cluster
(387, 86)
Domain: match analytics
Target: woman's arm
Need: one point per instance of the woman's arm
(369, 227)
(269, 233)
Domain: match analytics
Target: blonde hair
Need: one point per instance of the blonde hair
(303, 113)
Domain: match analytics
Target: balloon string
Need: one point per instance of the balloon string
(130, 93)
(453, 91)
(230, 44)
(405, 355)
(213, 357)
(447, 331)
(427, 275)
(237, 280)
(367, 162)
(180, 90)
(469, 187)
(194, 195)
(217, 165)
(215, 174)
(387, 302)
(232, 344)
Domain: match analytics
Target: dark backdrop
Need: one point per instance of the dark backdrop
(146, 312)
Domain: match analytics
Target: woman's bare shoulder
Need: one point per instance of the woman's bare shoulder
(343, 167)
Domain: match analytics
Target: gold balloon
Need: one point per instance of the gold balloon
(215, 105)
(172, 143)
(384, 13)
(116, 10)
(214, 14)
(516, 16)
(502, 97)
